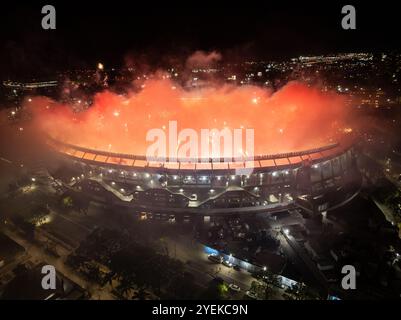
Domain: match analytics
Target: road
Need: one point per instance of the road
(39, 255)
(295, 253)
(69, 229)
(186, 249)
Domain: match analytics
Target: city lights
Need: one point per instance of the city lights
(200, 154)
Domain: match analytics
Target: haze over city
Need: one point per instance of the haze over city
(121, 176)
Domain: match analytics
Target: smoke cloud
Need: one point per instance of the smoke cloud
(201, 59)
(294, 118)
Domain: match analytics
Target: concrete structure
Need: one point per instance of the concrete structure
(277, 181)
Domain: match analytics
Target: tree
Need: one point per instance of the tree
(38, 214)
(216, 291)
(126, 285)
(222, 290)
(268, 292)
(140, 294)
(67, 202)
(182, 287)
(254, 286)
(108, 278)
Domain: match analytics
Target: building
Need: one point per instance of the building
(276, 181)
(15, 91)
(26, 285)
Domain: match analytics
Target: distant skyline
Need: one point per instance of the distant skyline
(154, 32)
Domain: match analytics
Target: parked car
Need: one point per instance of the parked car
(234, 287)
(227, 264)
(251, 295)
(215, 258)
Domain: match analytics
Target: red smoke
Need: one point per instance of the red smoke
(294, 118)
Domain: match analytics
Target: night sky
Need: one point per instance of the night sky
(158, 30)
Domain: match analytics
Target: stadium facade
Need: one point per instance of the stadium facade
(317, 179)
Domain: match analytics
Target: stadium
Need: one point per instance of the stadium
(317, 180)
(302, 148)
